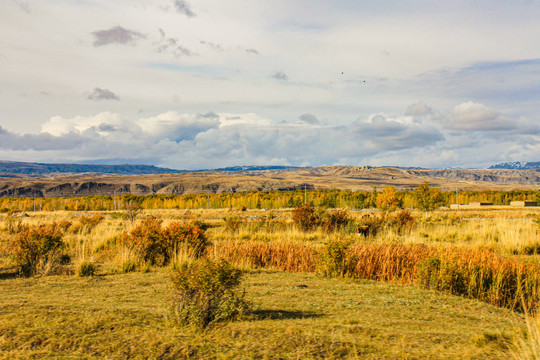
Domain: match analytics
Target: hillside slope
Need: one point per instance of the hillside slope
(328, 177)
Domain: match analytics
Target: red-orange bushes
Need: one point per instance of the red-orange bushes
(157, 246)
(190, 238)
(36, 250)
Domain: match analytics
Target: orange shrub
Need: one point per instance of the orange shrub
(37, 250)
(157, 246)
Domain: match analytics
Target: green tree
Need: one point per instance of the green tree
(427, 198)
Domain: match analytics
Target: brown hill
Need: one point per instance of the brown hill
(327, 177)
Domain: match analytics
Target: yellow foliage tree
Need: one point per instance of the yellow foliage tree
(388, 199)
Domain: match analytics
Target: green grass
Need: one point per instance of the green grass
(296, 316)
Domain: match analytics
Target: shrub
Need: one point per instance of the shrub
(401, 221)
(156, 246)
(334, 260)
(90, 222)
(190, 239)
(87, 268)
(37, 250)
(133, 208)
(146, 241)
(373, 223)
(232, 223)
(305, 217)
(205, 292)
(428, 272)
(336, 220)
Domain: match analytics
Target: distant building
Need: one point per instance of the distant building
(480, 204)
(524, 203)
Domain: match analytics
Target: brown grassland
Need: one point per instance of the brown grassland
(439, 285)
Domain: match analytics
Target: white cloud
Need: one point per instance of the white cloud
(475, 116)
(259, 65)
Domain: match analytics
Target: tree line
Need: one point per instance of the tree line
(424, 197)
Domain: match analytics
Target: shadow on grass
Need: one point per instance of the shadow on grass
(282, 314)
(6, 274)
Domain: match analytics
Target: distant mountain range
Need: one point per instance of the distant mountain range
(14, 169)
(23, 169)
(517, 165)
(253, 179)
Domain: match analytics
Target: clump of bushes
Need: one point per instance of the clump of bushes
(336, 220)
(372, 223)
(37, 250)
(402, 221)
(306, 217)
(205, 292)
(152, 244)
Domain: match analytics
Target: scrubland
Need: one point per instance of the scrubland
(438, 284)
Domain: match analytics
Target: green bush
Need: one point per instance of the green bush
(87, 268)
(334, 260)
(37, 250)
(205, 291)
(428, 272)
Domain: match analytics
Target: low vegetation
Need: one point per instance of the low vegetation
(487, 256)
(206, 291)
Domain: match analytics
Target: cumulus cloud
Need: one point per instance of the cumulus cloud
(381, 132)
(102, 94)
(178, 127)
(280, 75)
(419, 109)
(38, 142)
(183, 7)
(471, 116)
(309, 119)
(116, 35)
(209, 140)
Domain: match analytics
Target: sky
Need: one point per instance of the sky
(203, 84)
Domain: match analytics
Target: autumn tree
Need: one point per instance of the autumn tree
(388, 199)
(427, 198)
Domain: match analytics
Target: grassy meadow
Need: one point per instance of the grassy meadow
(418, 285)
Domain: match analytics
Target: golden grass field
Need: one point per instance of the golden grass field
(379, 310)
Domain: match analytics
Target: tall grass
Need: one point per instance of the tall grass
(527, 346)
(481, 274)
(282, 256)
